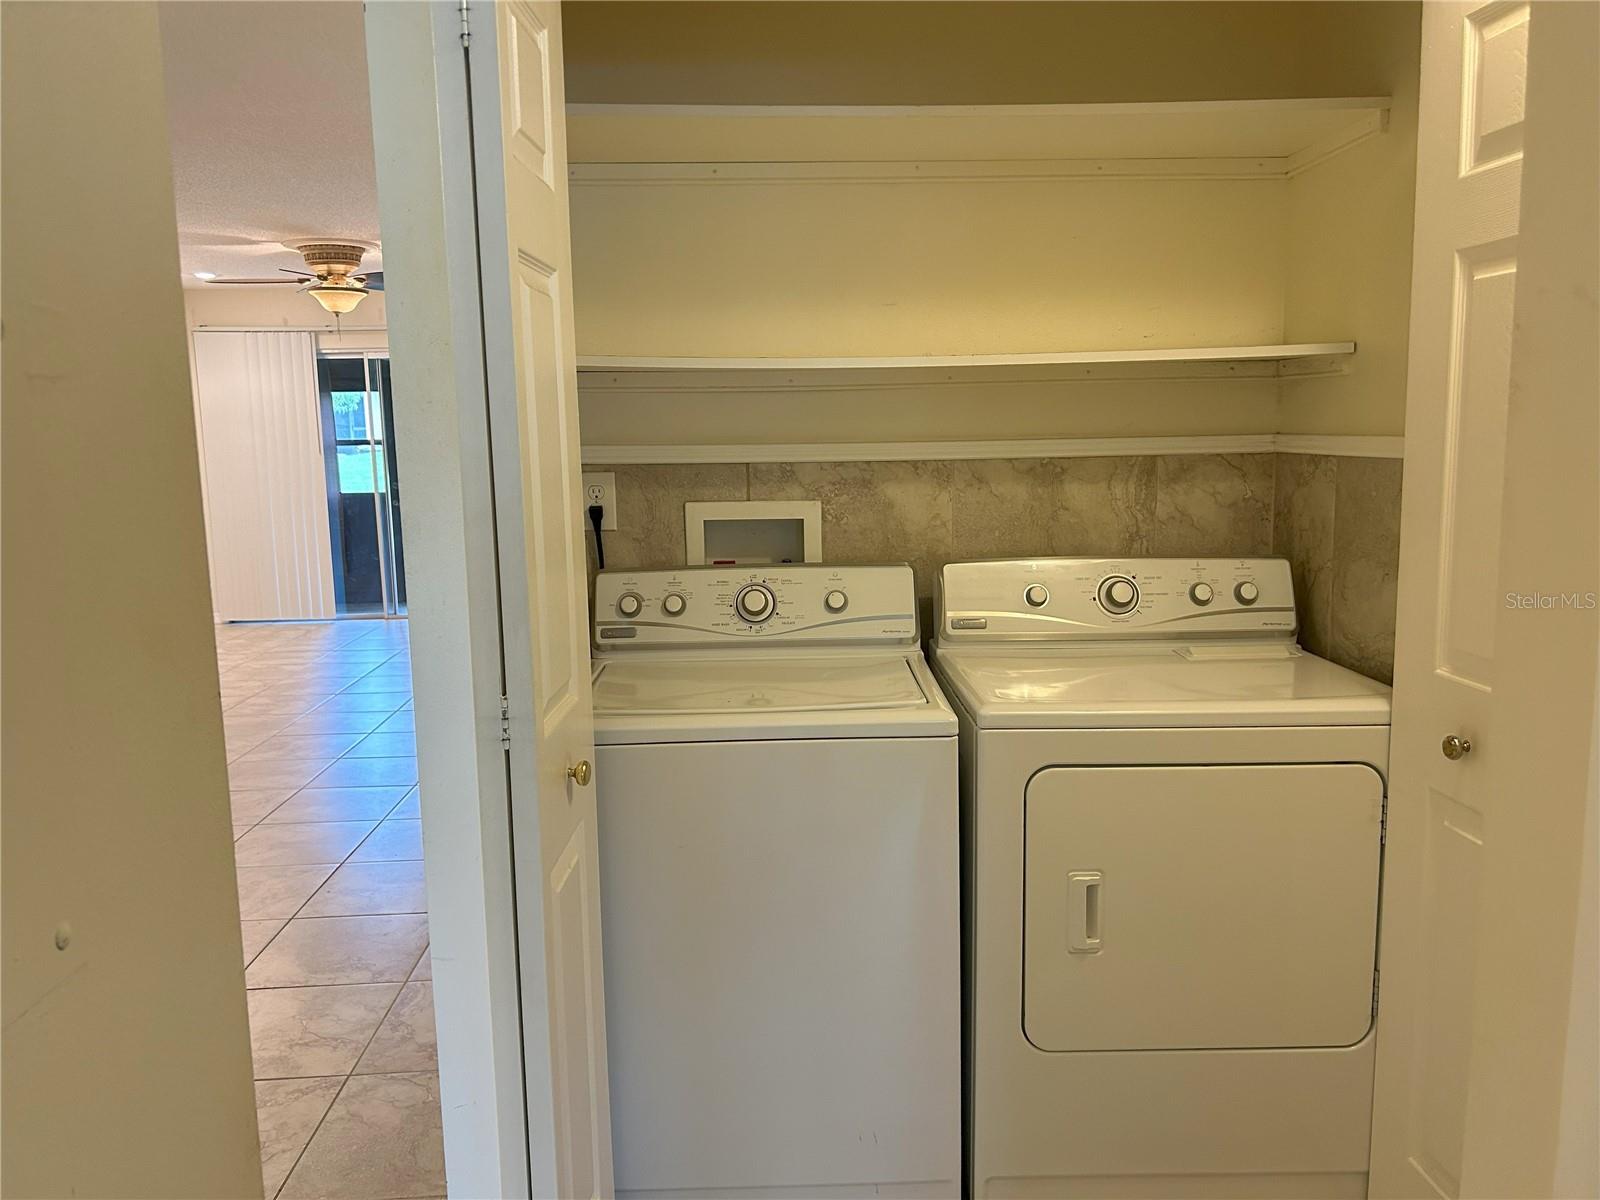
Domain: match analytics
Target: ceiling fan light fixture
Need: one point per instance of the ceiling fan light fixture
(338, 298)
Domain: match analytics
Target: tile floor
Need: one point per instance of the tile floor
(328, 843)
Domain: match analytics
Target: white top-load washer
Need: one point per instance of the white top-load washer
(780, 898)
(1173, 824)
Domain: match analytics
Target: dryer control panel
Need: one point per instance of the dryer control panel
(1098, 599)
(792, 602)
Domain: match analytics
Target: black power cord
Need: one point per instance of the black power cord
(597, 514)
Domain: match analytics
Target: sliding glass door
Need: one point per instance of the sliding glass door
(363, 484)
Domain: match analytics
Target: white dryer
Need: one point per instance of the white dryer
(780, 897)
(1173, 826)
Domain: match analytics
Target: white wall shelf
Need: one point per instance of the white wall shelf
(629, 372)
(1249, 137)
(1075, 447)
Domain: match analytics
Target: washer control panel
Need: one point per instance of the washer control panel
(1071, 599)
(802, 602)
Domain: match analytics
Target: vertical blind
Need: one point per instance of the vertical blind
(266, 492)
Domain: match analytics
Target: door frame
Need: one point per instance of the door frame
(421, 113)
(390, 554)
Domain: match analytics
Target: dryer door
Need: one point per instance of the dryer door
(1194, 907)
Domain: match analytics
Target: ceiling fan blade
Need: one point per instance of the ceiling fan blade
(301, 274)
(372, 281)
(276, 282)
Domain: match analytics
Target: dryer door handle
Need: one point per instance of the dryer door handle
(1085, 912)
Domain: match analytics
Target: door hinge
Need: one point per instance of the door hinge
(505, 721)
(466, 32)
(1374, 992)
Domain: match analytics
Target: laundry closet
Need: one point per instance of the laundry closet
(1097, 317)
(1118, 293)
(1088, 279)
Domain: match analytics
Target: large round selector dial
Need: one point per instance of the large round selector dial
(630, 604)
(755, 603)
(835, 601)
(1202, 594)
(1246, 592)
(673, 604)
(1036, 595)
(1119, 594)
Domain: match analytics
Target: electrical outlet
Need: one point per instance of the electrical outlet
(600, 487)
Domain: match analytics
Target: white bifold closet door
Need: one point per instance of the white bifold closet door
(265, 483)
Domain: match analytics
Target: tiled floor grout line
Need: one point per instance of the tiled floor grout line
(274, 684)
(348, 1076)
(315, 1129)
(336, 866)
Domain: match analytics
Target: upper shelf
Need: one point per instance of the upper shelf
(1280, 132)
(1193, 354)
(1297, 358)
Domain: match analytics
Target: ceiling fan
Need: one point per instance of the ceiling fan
(331, 276)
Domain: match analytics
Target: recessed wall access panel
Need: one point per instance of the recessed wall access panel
(753, 531)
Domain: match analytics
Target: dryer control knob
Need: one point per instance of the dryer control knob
(673, 604)
(1246, 592)
(1202, 593)
(1036, 594)
(754, 603)
(1119, 594)
(835, 601)
(630, 604)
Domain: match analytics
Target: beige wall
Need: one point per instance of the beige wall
(1349, 261)
(754, 268)
(251, 307)
(961, 267)
(991, 266)
(126, 1048)
(974, 53)
(950, 411)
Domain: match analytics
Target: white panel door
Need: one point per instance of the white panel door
(265, 487)
(1464, 276)
(1206, 907)
(519, 143)
(1533, 1096)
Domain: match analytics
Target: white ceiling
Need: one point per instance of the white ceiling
(271, 130)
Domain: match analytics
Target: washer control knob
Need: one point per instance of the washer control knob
(1202, 594)
(1246, 592)
(835, 601)
(630, 604)
(673, 604)
(754, 603)
(1119, 594)
(1036, 594)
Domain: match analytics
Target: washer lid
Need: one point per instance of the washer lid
(661, 687)
(1160, 687)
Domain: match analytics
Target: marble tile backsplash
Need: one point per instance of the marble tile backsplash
(1336, 519)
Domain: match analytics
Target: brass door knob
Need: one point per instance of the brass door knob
(1456, 747)
(581, 772)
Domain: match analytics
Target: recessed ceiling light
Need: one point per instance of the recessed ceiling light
(205, 274)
